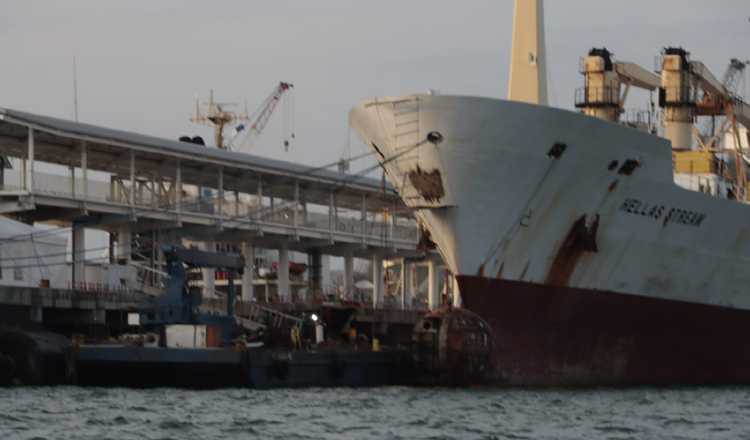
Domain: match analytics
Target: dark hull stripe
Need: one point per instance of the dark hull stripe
(562, 336)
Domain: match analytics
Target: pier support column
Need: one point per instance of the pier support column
(209, 273)
(325, 273)
(433, 299)
(37, 314)
(248, 274)
(456, 293)
(407, 273)
(160, 259)
(98, 316)
(124, 246)
(283, 273)
(377, 281)
(409, 278)
(85, 175)
(29, 177)
(349, 275)
(315, 271)
(78, 251)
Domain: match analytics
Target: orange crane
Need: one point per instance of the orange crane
(715, 107)
(718, 99)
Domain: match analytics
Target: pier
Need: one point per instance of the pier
(146, 191)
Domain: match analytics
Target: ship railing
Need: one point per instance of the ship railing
(95, 291)
(4, 187)
(640, 119)
(597, 97)
(253, 311)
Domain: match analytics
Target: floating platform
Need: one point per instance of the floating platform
(256, 368)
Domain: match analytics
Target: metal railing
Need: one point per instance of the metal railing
(229, 211)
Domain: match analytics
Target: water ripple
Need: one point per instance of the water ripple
(390, 412)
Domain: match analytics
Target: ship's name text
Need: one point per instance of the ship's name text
(663, 213)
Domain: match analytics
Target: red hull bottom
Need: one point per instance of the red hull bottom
(562, 336)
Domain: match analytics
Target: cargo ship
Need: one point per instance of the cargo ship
(567, 232)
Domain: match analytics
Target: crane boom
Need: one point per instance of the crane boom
(720, 94)
(707, 80)
(265, 111)
(244, 136)
(742, 113)
(718, 106)
(637, 76)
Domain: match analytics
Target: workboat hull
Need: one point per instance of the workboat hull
(217, 368)
(562, 336)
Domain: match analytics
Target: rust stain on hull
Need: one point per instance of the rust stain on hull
(580, 239)
(429, 184)
(425, 243)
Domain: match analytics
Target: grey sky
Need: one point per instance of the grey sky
(140, 63)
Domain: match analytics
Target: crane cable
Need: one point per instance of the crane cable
(285, 122)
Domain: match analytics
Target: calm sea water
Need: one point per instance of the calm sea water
(378, 413)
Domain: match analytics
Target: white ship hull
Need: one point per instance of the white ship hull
(508, 205)
(570, 237)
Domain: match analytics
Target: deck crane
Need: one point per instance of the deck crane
(689, 90)
(603, 95)
(244, 134)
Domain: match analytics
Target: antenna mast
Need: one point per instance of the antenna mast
(217, 116)
(75, 90)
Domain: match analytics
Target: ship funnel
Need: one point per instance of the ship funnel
(528, 70)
